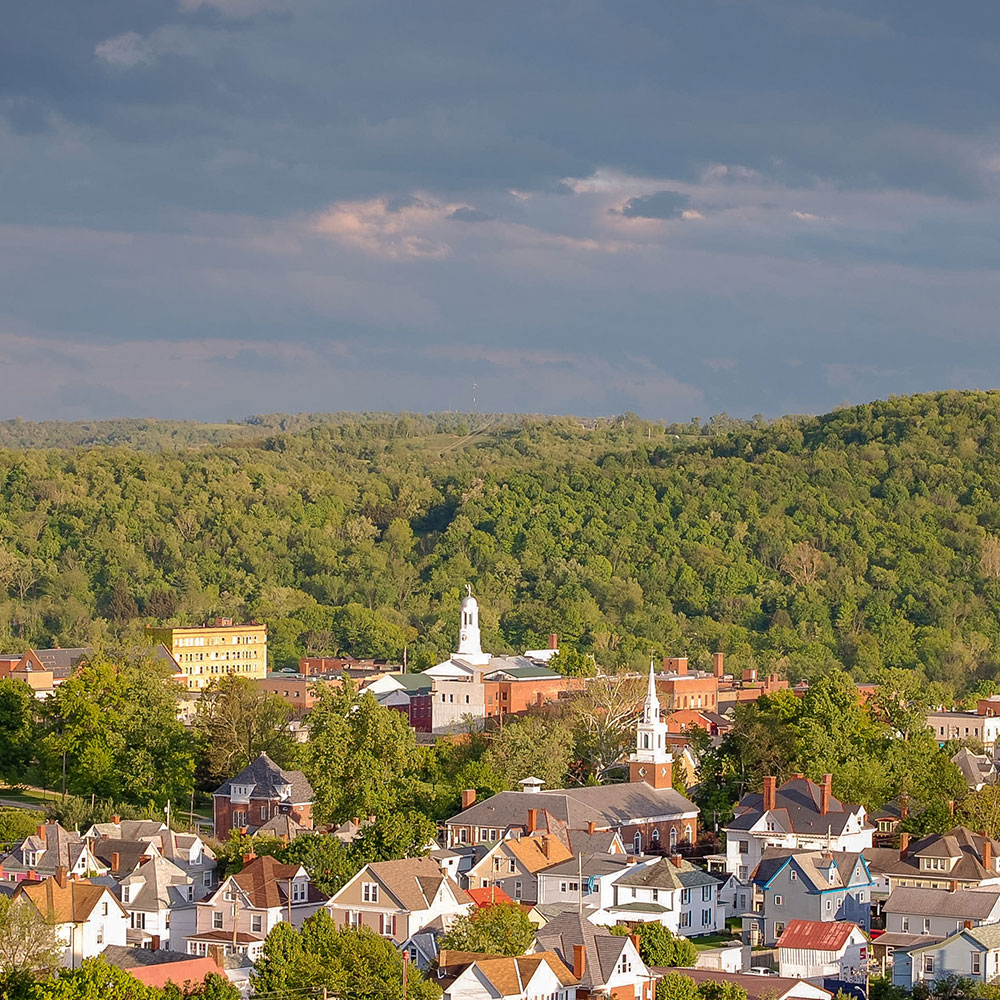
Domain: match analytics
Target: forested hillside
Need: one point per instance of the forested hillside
(868, 536)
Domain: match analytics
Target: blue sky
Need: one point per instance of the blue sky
(211, 208)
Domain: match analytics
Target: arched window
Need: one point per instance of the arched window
(637, 843)
(687, 833)
(645, 741)
(673, 837)
(656, 837)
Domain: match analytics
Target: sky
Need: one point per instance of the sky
(215, 208)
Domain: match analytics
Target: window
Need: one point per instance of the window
(299, 892)
(793, 875)
(624, 965)
(517, 890)
(927, 925)
(743, 846)
(190, 893)
(743, 873)
(512, 867)
(778, 900)
(706, 918)
(656, 895)
(656, 836)
(637, 843)
(126, 893)
(369, 892)
(387, 924)
(31, 858)
(829, 905)
(353, 918)
(217, 920)
(206, 878)
(977, 963)
(240, 817)
(706, 893)
(779, 929)
(104, 909)
(139, 920)
(685, 897)
(256, 923)
(928, 965)
(906, 925)
(686, 918)
(100, 935)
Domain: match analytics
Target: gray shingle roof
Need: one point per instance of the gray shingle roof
(264, 775)
(665, 875)
(603, 949)
(797, 804)
(970, 904)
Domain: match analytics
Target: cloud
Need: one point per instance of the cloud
(659, 205)
(234, 8)
(125, 51)
(386, 227)
(465, 213)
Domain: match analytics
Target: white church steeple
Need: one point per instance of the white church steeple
(652, 761)
(470, 646)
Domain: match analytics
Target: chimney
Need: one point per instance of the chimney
(468, 797)
(591, 827)
(797, 776)
(953, 887)
(115, 861)
(579, 960)
(967, 925)
(545, 846)
(717, 664)
(770, 793)
(988, 854)
(154, 943)
(826, 789)
(61, 876)
(675, 860)
(116, 819)
(904, 845)
(532, 820)
(681, 664)
(553, 641)
(247, 858)
(40, 832)
(636, 940)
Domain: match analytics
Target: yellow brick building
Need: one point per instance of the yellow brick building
(207, 652)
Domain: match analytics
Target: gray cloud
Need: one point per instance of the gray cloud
(466, 214)
(660, 205)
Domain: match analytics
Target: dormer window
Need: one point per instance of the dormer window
(126, 893)
(31, 858)
(284, 790)
(369, 892)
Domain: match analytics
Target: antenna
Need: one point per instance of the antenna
(475, 386)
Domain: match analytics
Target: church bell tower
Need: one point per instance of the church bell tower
(652, 760)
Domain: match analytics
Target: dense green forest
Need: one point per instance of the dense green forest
(867, 537)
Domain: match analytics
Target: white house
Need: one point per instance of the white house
(820, 949)
(973, 953)
(87, 917)
(159, 898)
(590, 879)
(800, 815)
(672, 892)
(495, 977)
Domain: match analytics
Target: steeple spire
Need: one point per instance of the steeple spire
(652, 760)
(651, 708)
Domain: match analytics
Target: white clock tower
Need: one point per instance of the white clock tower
(470, 646)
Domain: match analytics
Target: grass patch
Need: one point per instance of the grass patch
(714, 941)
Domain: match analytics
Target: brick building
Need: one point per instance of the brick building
(259, 793)
(205, 653)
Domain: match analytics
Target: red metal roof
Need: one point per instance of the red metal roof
(489, 896)
(818, 935)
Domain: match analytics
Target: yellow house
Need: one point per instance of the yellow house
(206, 652)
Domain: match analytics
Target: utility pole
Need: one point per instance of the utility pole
(406, 965)
(579, 869)
(289, 899)
(236, 919)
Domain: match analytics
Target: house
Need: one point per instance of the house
(887, 821)
(972, 953)
(978, 769)
(939, 912)
(159, 899)
(242, 911)
(86, 917)
(798, 815)
(401, 899)
(121, 857)
(157, 968)
(468, 976)
(603, 963)
(821, 886)
(646, 812)
(186, 850)
(588, 880)
(936, 861)
(259, 792)
(672, 892)
(513, 864)
(757, 987)
(979, 727)
(823, 949)
(48, 849)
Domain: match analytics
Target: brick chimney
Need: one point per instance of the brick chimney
(825, 791)
(988, 862)
(116, 819)
(115, 861)
(718, 664)
(579, 960)
(953, 886)
(247, 858)
(468, 797)
(532, 820)
(904, 845)
(797, 776)
(675, 860)
(591, 827)
(40, 832)
(636, 940)
(770, 793)
(553, 641)
(967, 925)
(61, 874)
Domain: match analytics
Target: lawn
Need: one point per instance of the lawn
(714, 940)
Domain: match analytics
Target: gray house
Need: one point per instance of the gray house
(972, 953)
(806, 885)
(940, 912)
